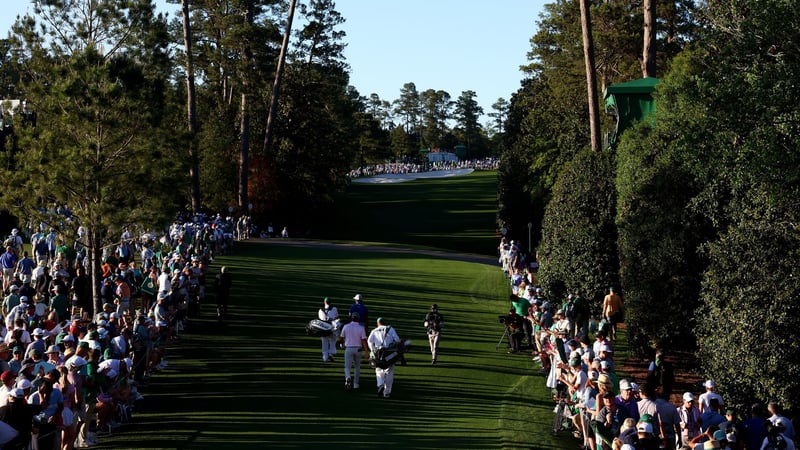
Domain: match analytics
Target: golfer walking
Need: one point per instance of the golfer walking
(433, 324)
(355, 339)
(383, 337)
(328, 313)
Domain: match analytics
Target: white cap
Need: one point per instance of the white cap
(357, 297)
(688, 397)
(75, 361)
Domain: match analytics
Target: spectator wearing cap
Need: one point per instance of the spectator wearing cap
(17, 358)
(54, 356)
(711, 416)
(626, 400)
(690, 418)
(38, 342)
(11, 300)
(704, 398)
(647, 438)
(19, 414)
(8, 378)
(731, 423)
(17, 312)
(610, 416)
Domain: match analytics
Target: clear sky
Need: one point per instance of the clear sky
(450, 45)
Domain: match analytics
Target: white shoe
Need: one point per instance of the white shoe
(356, 386)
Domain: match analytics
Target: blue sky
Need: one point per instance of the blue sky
(450, 45)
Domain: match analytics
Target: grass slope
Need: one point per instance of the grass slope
(456, 214)
(257, 381)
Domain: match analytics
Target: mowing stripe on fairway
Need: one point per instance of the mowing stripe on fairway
(257, 381)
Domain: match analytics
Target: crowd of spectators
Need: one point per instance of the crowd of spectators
(71, 374)
(401, 168)
(604, 411)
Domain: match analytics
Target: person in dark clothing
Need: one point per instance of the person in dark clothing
(81, 295)
(19, 415)
(223, 291)
(661, 375)
(755, 428)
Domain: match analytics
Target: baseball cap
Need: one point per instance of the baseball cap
(17, 393)
(688, 397)
(24, 384)
(709, 384)
(644, 427)
(75, 361)
(53, 349)
(624, 385)
(719, 435)
(357, 297)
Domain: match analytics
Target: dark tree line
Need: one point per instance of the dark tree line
(694, 213)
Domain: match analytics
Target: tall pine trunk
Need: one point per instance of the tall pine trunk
(191, 114)
(649, 44)
(591, 83)
(244, 118)
(276, 86)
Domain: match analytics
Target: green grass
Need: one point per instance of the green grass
(456, 214)
(257, 381)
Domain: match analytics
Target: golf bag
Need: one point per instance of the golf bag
(319, 328)
(383, 358)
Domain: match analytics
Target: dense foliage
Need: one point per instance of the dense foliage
(579, 235)
(705, 196)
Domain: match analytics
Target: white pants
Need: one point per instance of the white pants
(328, 346)
(385, 379)
(433, 340)
(352, 357)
